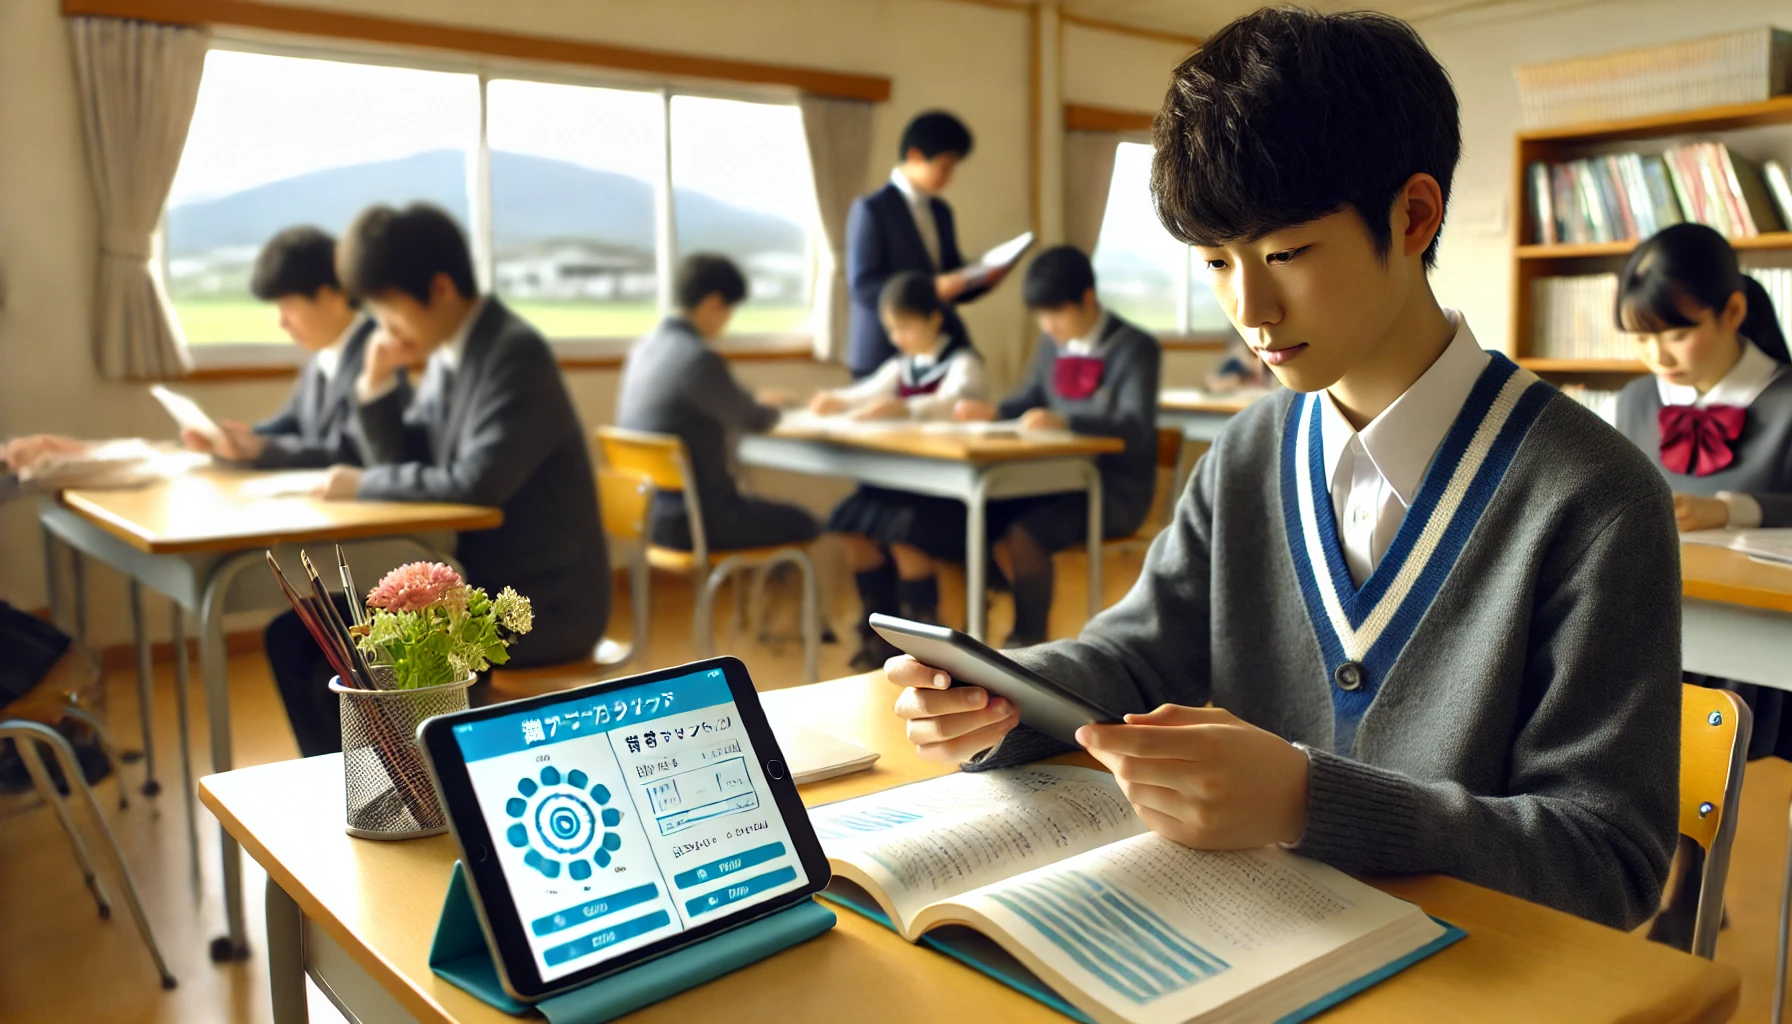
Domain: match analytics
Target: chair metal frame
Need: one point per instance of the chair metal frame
(710, 578)
(1707, 712)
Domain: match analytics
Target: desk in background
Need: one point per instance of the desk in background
(190, 538)
(971, 468)
(358, 916)
(1735, 616)
(1201, 416)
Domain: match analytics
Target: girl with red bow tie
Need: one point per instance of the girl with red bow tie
(1717, 412)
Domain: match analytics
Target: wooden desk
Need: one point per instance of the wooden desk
(1202, 416)
(192, 538)
(365, 912)
(1735, 616)
(969, 468)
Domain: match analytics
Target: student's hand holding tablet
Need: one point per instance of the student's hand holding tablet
(948, 724)
(236, 441)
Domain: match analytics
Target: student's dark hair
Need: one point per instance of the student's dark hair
(390, 250)
(702, 274)
(1059, 276)
(933, 133)
(1691, 265)
(297, 261)
(1288, 115)
(911, 293)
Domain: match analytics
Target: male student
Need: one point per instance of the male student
(1092, 373)
(296, 271)
(906, 226)
(492, 424)
(674, 383)
(1434, 604)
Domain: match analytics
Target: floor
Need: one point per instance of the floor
(59, 962)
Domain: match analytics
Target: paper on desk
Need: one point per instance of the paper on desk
(1771, 546)
(109, 465)
(297, 483)
(997, 259)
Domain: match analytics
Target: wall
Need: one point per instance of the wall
(966, 57)
(1480, 49)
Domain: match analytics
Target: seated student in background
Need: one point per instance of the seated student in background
(1406, 675)
(492, 424)
(1716, 419)
(893, 536)
(1092, 373)
(674, 383)
(296, 271)
(906, 226)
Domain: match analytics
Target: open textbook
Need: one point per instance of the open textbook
(1045, 879)
(997, 259)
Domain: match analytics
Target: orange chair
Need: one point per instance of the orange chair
(623, 500)
(1714, 731)
(661, 460)
(1163, 504)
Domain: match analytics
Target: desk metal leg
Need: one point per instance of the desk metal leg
(146, 695)
(214, 668)
(178, 617)
(1093, 478)
(286, 956)
(976, 557)
(52, 578)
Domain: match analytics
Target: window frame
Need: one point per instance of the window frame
(262, 358)
(1183, 336)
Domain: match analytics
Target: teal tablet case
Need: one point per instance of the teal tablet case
(459, 954)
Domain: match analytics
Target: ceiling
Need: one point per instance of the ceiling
(1201, 17)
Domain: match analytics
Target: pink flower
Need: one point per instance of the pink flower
(413, 587)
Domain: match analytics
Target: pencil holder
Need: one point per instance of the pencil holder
(386, 787)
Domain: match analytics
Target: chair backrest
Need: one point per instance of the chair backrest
(1169, 448)
(1714, 730)
(661, 460)
(625, 498)
(1169, 460)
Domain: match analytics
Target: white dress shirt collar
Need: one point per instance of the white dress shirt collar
(909, 192)
(450, 354)
(920, 209)
(1088, 343)
(329, 360)
(1401, 441)
(1754, 370)
(926, 359)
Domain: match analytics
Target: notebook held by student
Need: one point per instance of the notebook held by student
(296, 272)
(892, 536)
(674, 383)
(1434, 604)
(1092, 373)
(906, 226)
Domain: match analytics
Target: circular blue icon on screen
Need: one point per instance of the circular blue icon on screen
(562, 824)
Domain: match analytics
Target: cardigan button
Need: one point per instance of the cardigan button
(1349, 676)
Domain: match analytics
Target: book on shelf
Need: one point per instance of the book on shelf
(1774, 173)
(1627, 197)
(1576, 317)
(1745, 66)
(1045, 879)
(1777, 283)
(1601, 401)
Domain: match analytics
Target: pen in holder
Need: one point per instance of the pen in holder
(386, 788)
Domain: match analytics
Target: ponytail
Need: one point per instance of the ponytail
(1762, 324)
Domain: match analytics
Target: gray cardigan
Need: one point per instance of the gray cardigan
(1763, 466)
(316, 426)
(1527, 736)
(1123, 406)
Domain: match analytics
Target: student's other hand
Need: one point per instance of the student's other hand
(1204, 778)
(386, 355)
(240, 441)
(969, 410)
(342, 484)
(774, 397)
(21, 453)
(195, 441)
(826, 404)
(950, 286)
(1041, 419)
(1692, 512)
(949, 726)
(886, 408)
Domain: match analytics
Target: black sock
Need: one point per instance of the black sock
(1032, 604)
(919, 599)
(877, 593)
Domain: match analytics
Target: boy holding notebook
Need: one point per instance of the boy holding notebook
(1433, 603)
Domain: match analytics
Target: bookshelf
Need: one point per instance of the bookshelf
(1566, 142)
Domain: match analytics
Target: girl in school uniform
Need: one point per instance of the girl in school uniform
(892, 537)
(1715, 416)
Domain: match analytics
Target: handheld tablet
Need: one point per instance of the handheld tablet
(607, 825)
(1044, 705)
(187, 413)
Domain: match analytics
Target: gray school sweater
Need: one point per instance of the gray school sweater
(1518, 727)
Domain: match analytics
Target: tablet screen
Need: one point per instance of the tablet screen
(627, 817)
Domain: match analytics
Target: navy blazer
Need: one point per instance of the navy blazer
(502, 430)
(315, 427)
(882, 241)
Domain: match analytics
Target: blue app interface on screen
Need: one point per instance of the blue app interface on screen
(624, 817)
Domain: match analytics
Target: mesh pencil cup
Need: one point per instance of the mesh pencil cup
(386, 787)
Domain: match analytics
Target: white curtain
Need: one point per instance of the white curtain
(139, 82)
(1088, 171)
(839, 136)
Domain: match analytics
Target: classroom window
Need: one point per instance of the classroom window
(1143, 273)
(742, 187)
(560, 193)
(272, 144)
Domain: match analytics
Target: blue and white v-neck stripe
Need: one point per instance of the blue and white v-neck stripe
(1361, 631)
